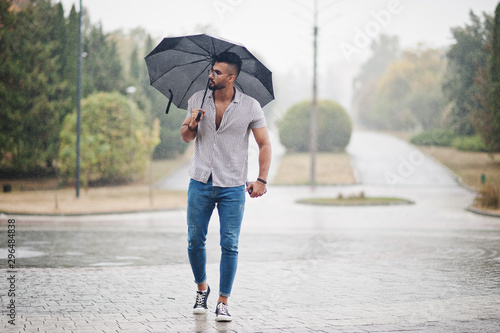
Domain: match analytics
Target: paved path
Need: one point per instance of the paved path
(427, 267)
(384, 160)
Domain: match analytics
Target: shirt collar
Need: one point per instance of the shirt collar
(237, 96)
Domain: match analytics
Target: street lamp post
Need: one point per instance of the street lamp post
(314, 107)
(79, 98)
(131, 91)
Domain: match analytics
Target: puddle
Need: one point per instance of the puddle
(22, 253)
(129, 258)
(70, 253)
(110, 264)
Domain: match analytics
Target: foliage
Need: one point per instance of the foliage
(384, 51)
(334, 127)
(408, 95)
(115, 148)
(482, 116)
(38, 78)
(493, 138)
(101, 65)
(470, 143)
(34, 91)
(434, 137)
(171, 141)
(137, 45)
(467, 54)
(488, 196)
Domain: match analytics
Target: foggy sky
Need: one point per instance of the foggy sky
(279, 32)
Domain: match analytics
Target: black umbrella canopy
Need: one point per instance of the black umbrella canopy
(178, 68)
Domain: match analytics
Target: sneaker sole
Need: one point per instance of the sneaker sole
(223, 318)
(200, 311)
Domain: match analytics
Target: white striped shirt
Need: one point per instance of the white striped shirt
(223, 153)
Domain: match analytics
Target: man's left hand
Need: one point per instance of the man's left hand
(257, 189)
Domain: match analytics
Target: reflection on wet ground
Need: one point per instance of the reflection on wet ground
(472, 254)
(432, 266)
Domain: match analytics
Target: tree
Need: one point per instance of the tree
(494, 140)
(34, 96)
(116, 143)
(9, 72)
(334, 127)
(384, 52)
(171, 142)
(38, 74)
(69, 65)
(135, 69)
(101, 66)
(408, 95)
(464, 57)
(486, 118)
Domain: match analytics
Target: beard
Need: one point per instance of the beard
(212, 86)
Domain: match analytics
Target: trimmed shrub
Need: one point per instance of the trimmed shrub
(334, 127)
(434, 137)
(470, 143)
(115, 148)
(488, 197)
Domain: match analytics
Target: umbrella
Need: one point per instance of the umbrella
(178, 68)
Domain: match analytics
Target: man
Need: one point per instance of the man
(218, 172)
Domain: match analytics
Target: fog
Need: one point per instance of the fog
(280, 32)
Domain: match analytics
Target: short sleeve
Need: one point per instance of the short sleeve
(258, 118)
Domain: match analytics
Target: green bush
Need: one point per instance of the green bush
(334, 127)
(115, 148)
(470, 143)
(171, 144)
(434, 137)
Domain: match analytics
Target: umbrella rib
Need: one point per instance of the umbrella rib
(207, 52)
(192, 82)
(178, 66)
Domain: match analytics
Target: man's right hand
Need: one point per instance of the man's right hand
(189, 127)
(194, 117)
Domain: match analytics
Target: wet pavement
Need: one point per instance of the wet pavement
(427, 267)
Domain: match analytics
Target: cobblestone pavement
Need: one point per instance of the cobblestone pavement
(427, 267)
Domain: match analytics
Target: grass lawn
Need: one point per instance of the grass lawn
(331, 169)
(41, 196)
(468, 165)
(94, 200)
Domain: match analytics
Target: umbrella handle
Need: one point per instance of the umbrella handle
(169, 101)
(198, 117)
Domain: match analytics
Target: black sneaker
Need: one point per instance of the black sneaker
(200, 306)
(221, 313)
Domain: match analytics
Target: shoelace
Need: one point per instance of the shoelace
(223, 309)
(200, 299)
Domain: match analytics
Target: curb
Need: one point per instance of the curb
(139, 211)
(482, 212)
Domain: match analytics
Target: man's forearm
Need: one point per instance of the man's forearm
(188, 133)
(264, 161)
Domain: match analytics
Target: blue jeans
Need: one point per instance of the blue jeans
(230, 202)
